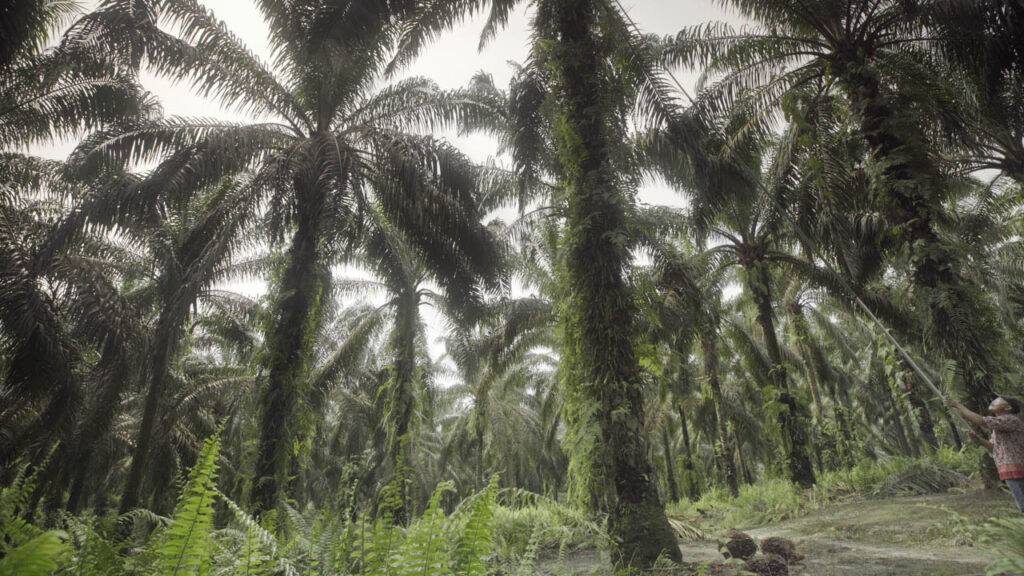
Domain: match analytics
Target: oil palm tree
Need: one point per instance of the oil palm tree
(332, 146)
(502, 374)
(410, 284)
(874, 54)
(50, 93)
(57, 314)
(983, 40)
(190, 247)
(578, 40)
(742, 213)
(692, 303)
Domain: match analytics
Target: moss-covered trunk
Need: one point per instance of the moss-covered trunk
(723, 448)
(401, 397)
(798, 459)
(611, 462)
(289, 346)
(961, 318)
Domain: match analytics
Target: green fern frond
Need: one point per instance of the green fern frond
(40, 556)
(186, 546)
(425, 548)
(476, 534)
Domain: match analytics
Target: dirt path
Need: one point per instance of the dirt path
(908, 536)
(913, 536)
(828, 557)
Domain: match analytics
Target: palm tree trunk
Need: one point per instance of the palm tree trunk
(605, 396)
(401, 398)
(801, 470)
(709, 353)
(289, 346)
(958, 443)
(963, 320)
(165, 346)
(743, 468)
(480, 410)
(692, 485)
(901, 431)
(115, 374)
(803, 339)
(920, 410)
(666, 446)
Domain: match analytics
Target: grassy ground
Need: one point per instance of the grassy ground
(914, 536)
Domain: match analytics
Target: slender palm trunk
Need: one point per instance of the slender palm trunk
(743, 468)
(605, 404)
(901, 431)
(919, 407)
(689, 466)
(803, 340)
(958, 443)
(670, 465)
(723, 449)
(289, 346)
(480, 411)
(165, 346)
(401, 400)
(795, 438)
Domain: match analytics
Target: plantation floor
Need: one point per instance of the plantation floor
(913, 536)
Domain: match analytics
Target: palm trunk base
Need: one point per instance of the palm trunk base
(642, 534)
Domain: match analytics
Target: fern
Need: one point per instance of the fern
(474, 543)
(24, 549)
(260, 552)
(94, 555)
(187, 547)
(424, 550)
(39, 556)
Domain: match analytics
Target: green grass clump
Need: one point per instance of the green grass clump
(762, 503)
(538, 527)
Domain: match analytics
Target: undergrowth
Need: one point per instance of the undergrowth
(313, 543)
(529, 527)
(775, 500)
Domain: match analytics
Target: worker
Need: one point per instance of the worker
(1006, 443)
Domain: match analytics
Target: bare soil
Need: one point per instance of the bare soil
(909, 536)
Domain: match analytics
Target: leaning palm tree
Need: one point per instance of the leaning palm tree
(875, 54)
(331, 146)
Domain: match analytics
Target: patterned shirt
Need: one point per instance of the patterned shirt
(1007, 445)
